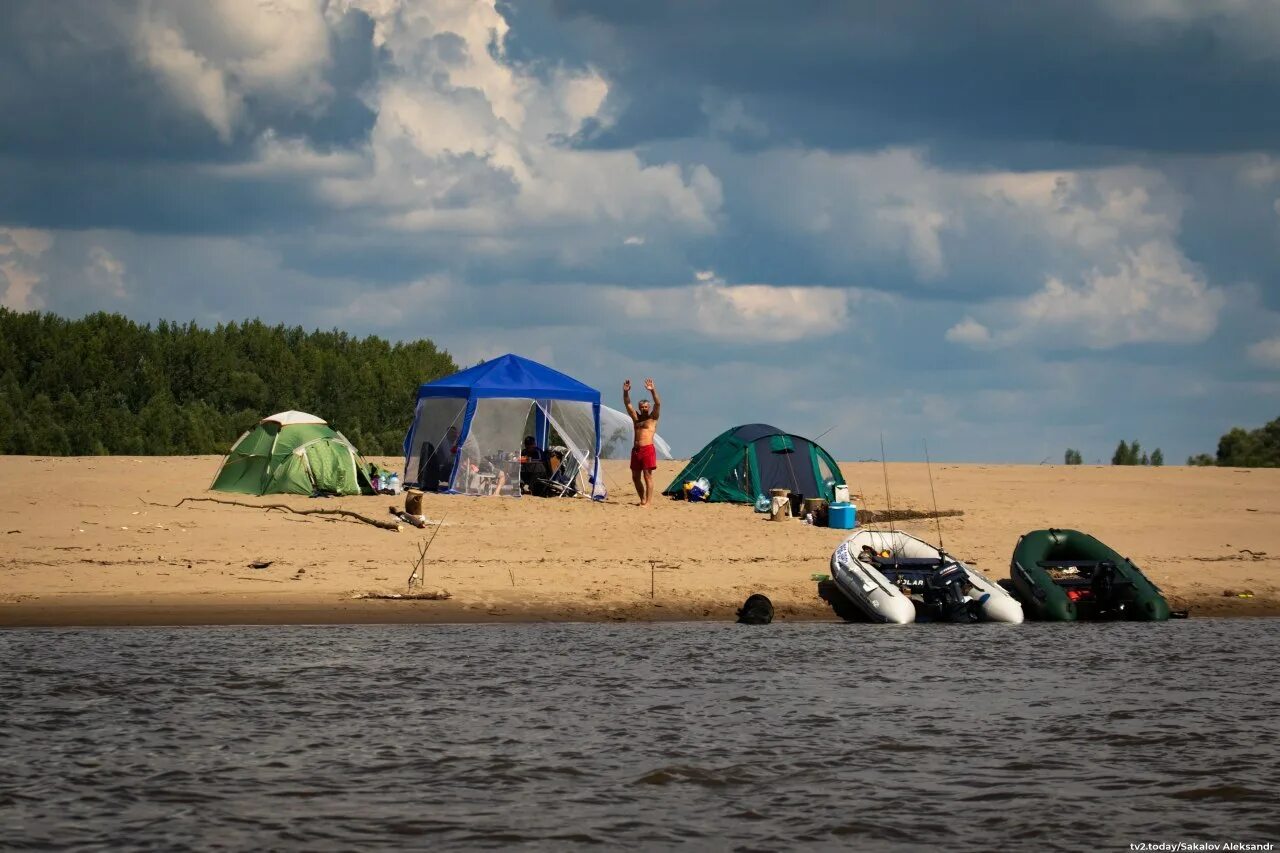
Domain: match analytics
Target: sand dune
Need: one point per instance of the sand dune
(98, 541)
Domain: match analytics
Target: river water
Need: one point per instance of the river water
(650, 736)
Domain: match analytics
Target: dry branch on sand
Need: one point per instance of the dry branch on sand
(878, 516)
(342, 513)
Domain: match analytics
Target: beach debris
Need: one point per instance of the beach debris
(1231, 593)
(419, 521)
(419, 567)
(260, 564)
(876, 516)
(343, 513)
(654, 568)
(268, 580)
(13, 531)
(1242, 554)
(756, 610)
(437, 595)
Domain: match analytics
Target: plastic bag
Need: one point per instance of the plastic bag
(700, 490)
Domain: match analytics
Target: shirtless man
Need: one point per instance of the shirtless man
(644, 456)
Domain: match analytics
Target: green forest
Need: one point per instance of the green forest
(105, 384)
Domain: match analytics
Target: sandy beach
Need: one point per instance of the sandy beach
(98, 541)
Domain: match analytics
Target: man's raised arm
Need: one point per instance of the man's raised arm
(626, 398)
(653, 392)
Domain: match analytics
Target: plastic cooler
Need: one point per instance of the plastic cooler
(842, 515)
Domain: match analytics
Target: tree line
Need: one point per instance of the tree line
(1242, 448)
(1239, 448)
(1126, 454)
(105, 384)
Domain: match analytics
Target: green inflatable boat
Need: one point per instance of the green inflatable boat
(1066, 575)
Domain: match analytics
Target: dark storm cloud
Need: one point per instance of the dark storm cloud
(1015, 84)
(71, 87)
(153, 197)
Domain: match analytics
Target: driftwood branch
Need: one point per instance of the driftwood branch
(385, 525)
(878, 516)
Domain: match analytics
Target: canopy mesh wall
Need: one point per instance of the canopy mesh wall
(486, 458)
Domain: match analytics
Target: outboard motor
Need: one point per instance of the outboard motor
(944, 591)
(1103, 586)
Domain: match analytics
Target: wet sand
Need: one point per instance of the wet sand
(97, 541)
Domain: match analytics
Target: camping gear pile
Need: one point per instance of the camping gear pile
(697, 490)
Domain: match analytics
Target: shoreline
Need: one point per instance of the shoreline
(70, 611)
(109, 541)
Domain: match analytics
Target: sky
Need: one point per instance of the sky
(1004, 229)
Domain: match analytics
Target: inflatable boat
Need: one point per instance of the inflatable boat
(891, 576)
(1066, 575)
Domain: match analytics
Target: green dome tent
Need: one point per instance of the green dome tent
(747, 461)
(293, 453)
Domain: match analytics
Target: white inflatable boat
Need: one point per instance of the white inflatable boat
(891, 576)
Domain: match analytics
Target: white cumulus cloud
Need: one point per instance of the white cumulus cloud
(20, 249)
(211, 56)
(737, 312)
(105, 272)
(969, 332)
(1153, 295)
(1266, 352)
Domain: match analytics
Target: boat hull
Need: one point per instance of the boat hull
(881, 600)
(1132, 596)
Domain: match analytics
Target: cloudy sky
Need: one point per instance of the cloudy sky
(1005, 228)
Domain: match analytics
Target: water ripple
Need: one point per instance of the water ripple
(550, 737)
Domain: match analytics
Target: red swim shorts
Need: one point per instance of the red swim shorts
(644, 458)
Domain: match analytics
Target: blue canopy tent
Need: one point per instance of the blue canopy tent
(468, 429)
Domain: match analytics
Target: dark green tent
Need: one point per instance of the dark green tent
(293, 453)
(747, 461)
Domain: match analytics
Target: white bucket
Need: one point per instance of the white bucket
(779, 508)
(842, 495)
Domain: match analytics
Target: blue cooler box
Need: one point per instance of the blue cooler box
(843, 516)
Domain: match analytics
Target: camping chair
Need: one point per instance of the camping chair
(433, 473)
(564, 475)
(427, 479)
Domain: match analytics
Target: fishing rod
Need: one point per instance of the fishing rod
(825, 431)
(888, 498)
(936, 520)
